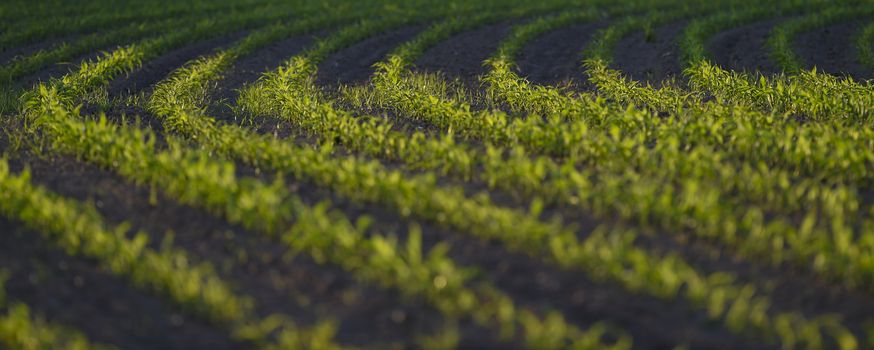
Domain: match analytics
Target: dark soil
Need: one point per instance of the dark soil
(555, 58)
(789, 289)
(543, 287)
(651, 59)
(354, 64)
(249, 68)
(55, 70)
(279, 282)
(462, 55)
(298, 287)
(29, 49)
(77, 293)
(143, 79)
(653, 323)
(113, 312)
(155, 70)
(540, 286)
(832, 49)
(815, 296)
(744, 48)
(536, 285)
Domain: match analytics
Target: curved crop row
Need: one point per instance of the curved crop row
(676, 183)
(808, 94)
(759, 132)
(780, 40)
(714, 218)
(375, 258)
(288, 94)
(364, 181)
(79, 230)
(20, 67)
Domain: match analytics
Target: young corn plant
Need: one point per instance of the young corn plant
(292, 87)
(191, 178)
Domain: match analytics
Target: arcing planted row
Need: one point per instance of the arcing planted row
(289, 93)
(188, 176)
(79, 230)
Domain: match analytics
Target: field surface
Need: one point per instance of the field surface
(485, 174)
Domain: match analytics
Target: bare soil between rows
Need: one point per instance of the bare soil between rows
(555, 58)
(278, 280)
(77, 293)
(833, 50)
(113, 312)
(790, 289)
(582, 301)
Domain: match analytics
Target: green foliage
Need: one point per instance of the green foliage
(378, 258)
(19, 329)
(780, 40)
(293, 88)
(772, 168)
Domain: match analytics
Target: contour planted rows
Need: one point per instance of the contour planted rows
(334, 174)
